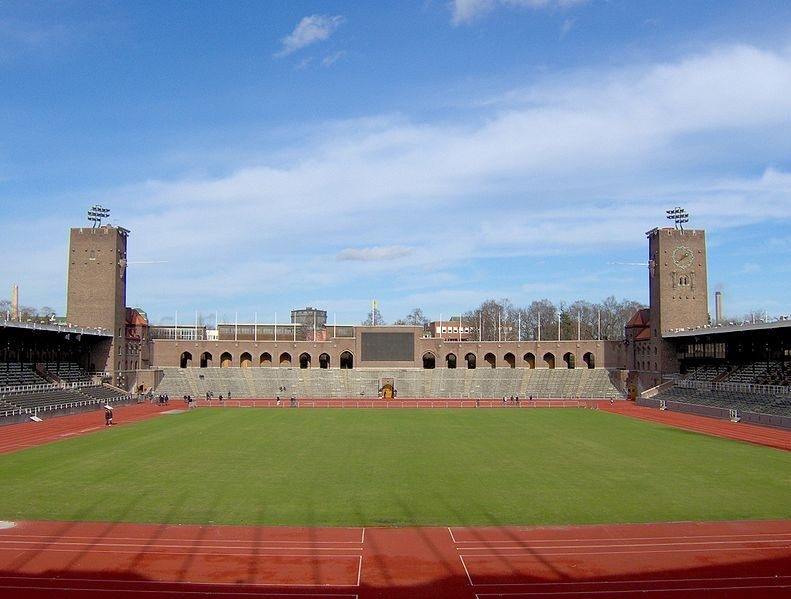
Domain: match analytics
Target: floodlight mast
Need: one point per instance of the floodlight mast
(679, 216)
(97, 213)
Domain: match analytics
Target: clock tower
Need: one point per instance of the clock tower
(678, 288)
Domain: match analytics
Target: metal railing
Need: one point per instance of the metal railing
(735, 387)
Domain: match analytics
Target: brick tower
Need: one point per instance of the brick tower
(678, 288)
(96, 295)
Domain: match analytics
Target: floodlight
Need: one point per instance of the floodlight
(97, 213)
(679, 216)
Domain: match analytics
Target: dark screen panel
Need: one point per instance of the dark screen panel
(388, 347)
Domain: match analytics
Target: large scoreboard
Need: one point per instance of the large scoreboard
(387, 347)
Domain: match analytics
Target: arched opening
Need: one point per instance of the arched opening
(304, 360)
(347, 360)
(225, 360)
(265, 359)
(285, 359)
(470, 359)
(324, 361)
(530, 360)
(429, 361)
(245, 360)
(549, 360)
(589, 359)
(205, 360)
(510, 359)
(450, 360)
(186, 360)
(490, 360)
(568, 358)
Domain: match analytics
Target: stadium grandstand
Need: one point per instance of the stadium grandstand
(673, 355)
(50, 369)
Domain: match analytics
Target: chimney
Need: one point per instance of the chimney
(15, 302)
(718, 307)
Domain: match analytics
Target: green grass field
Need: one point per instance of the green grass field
(343, 467)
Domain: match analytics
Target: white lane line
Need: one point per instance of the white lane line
(153, 546)
(192, 553)
(626, 545)
(147, 540)
(469, 578)
(169, 592)
(616, 539)
(452, 538)
(578, 583)
(633, 591)
(534, 554)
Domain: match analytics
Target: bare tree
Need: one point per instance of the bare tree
(415, 318)
(492, 317)
(370, 320)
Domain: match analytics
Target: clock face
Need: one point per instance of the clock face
(683, 257)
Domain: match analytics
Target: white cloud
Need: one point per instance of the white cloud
(541, 176)
(465, 11)
(331, 59)
(378, 253)
(18, 38)
(566, 27)
(569, 167)
(312, 29)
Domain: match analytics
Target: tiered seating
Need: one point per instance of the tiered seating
(748, 374)
(14, 374)
(100, 392)
(68, 372)
(779, 405)
(51, 398)
(409, 383)
(777, 373)
(40, 399)
(708, 372)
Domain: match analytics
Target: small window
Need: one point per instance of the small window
(92, 255)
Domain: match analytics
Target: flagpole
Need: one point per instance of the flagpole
(236, 327)
(255, 330)
(176, 327)
(440, 325)
(275, 326)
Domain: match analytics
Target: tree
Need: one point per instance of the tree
(415, 318)
(492, 317)
(545, 312)
(370, 320)
(615, 315)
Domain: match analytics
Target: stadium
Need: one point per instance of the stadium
(393, 461)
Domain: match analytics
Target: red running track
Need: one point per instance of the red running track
(686, 560)
(70, 560)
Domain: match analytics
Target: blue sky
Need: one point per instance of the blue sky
(432, 154)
